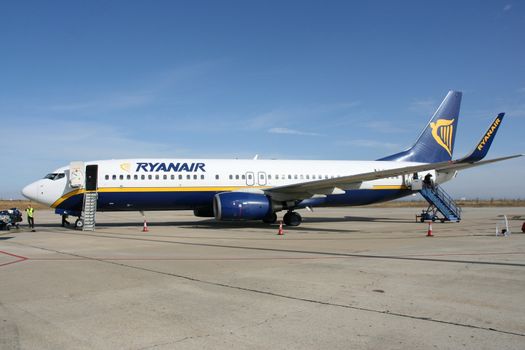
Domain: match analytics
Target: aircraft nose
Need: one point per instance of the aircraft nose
(30, 191)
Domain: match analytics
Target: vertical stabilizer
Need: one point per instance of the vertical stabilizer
(436, 142)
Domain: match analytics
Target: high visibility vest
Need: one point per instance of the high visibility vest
(29, 212)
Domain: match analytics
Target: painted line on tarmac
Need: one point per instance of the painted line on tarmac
(182, 259)
(19, 258)
(283, 296)
(350, 255)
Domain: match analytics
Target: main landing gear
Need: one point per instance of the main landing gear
(292, 218)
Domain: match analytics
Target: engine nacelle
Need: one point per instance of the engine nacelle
(241, 206)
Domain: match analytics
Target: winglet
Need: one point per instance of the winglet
(483, 145)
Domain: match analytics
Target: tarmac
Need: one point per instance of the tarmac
(347, 278)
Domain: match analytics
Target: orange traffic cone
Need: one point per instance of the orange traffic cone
(145, 227)
(429, 232)
(281, 232)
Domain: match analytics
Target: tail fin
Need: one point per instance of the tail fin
(436, 142)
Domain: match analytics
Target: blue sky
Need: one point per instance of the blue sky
(83, 80)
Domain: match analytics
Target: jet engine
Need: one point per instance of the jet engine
(237, 206)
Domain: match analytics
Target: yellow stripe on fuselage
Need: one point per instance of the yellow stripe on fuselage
(390, 187)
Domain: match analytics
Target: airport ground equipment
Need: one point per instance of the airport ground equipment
(9, 218)
(89, 210)
(439, 201)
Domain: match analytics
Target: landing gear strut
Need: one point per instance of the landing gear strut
(292, 218)
(270, 219)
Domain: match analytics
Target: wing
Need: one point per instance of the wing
(340, 184)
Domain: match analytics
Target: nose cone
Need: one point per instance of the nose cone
(30, 191)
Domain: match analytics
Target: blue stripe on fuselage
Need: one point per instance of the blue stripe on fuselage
(133, 201)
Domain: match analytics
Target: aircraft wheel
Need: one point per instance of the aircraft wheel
(292, 219)
(79, 223)
(270, 218)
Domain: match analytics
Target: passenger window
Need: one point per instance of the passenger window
(142, 177)
(202, 177)
(172, 177)
(114, 177)
(243, 177)
(150, 177)
(195, 177)
(165, 177)
(295, 176)
(217, 177)
(276, 177)
(269, 177)
(236, 177)
(121, 177)
(128, 177)
(107, 177)
(249, 176)
(156, 177)
(188, 177)
(302, 177)
(231, 177)
(180, 177)
(307, 177)
(135, 177)
(289, 177)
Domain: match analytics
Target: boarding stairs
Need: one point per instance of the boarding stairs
(89, 210)
(440, 201)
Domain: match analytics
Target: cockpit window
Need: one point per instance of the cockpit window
(54, 176)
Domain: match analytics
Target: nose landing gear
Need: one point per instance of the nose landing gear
(79, 223)
(292, 218)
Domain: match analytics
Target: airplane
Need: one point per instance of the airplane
(257, 189)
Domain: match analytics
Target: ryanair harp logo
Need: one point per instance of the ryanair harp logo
(442, 131)
(125, 166)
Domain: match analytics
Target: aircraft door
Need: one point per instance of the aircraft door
(261, 178)
(250, 178)
(91, 177)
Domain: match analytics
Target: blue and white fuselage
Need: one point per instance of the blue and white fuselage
(257, 189)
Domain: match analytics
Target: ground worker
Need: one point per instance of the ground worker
(30, 211)
(428, 181)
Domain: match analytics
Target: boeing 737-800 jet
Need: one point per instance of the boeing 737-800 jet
(258, 189)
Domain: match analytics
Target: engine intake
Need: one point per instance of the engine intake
(239, 206)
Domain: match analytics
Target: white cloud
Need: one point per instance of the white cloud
(291, 132)
(383, 127)
(507, 7)
(423, 106)
(118, 101)
(372, 144)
